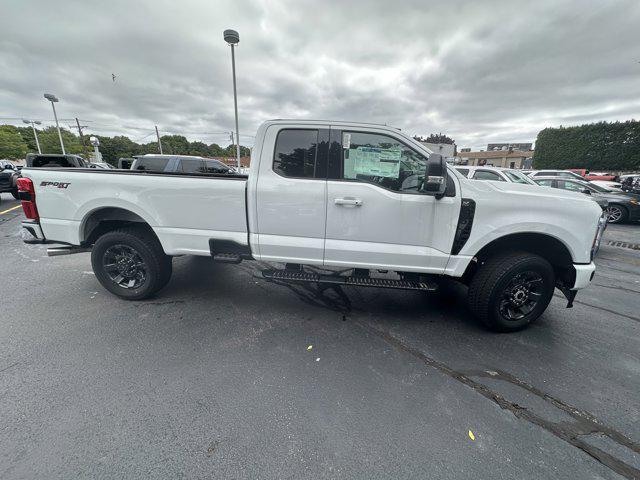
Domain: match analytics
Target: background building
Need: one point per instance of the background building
(497, 158)
(510, 146)
(447, 150)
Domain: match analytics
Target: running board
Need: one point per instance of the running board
(301, 276)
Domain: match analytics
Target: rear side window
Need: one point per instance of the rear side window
(191, 165)
(152, 164)
(545, 183)
(295, 153)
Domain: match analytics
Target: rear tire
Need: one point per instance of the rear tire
(130, 263)
(14, 192)
(511, 290)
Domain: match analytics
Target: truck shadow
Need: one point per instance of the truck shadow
(199, 279)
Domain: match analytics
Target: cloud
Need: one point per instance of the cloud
(478, 71)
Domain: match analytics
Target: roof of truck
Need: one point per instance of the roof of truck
(333, 122)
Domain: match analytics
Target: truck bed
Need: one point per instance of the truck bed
(185, 211)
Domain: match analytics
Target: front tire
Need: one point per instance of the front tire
(617, 213)
(511, 290)
(130, 263)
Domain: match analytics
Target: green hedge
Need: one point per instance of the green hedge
(596, 146)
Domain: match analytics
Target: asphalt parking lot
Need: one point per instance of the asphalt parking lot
(225, 375)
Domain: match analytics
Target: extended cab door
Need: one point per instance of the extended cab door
(376, 215)
(291, 196)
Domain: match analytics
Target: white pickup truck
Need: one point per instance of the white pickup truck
(365, 202)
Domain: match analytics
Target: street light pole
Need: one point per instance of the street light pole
(35, 133)
(53, 99)
(159, 141)
(232, 38)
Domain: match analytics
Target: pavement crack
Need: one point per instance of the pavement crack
(568, 432)
(619, 314)
(8, 367)
(168, 302)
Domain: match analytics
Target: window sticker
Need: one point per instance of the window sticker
(346, 141)
(374, 162)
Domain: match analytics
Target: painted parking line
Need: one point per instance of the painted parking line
(10, 209)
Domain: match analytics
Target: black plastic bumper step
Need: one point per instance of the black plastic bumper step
(301, 276)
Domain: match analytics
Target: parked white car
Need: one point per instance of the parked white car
(607, 184)
(497, 174)
(332, 194)
(556, 173)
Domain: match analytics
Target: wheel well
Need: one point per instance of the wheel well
(106, 219)
(548, 247)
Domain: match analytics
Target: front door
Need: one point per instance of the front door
(376, 215)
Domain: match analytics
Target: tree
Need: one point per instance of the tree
(12, 145)
(113, 148)
(175, 144)
(50, 143)
(15, 142)
(200, 149)
(436, 138)
(596, 146)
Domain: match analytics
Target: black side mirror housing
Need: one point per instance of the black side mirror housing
(435, 179)
(586, 191)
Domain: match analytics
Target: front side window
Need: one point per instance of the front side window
(214, 166)
(295, 153)
(487, 175)
(382, 160)
(152, 164)
(572, 186)
(545, 183)
(191, 165)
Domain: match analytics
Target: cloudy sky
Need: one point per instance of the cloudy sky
(479, 71)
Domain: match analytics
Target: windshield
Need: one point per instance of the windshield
(598, 188)
(518, 177)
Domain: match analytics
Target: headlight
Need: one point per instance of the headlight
(602, 224)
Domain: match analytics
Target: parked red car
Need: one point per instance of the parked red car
(593, 176)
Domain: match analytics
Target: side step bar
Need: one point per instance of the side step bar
(301, 276)
(66, 250)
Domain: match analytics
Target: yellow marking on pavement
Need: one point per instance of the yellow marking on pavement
(9, 209)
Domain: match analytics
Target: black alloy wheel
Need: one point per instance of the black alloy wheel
(124, 266)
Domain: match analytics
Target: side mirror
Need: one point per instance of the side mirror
(435, 179)
(586, 191)
(8, 166)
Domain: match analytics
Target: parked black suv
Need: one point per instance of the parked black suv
(8, 176)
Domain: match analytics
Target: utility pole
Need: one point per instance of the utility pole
(80, 127)
(159, 142)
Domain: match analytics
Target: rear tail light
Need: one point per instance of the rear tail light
(27, 193)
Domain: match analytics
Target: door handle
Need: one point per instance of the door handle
(356, 202)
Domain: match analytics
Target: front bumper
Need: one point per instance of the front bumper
(584, 275)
